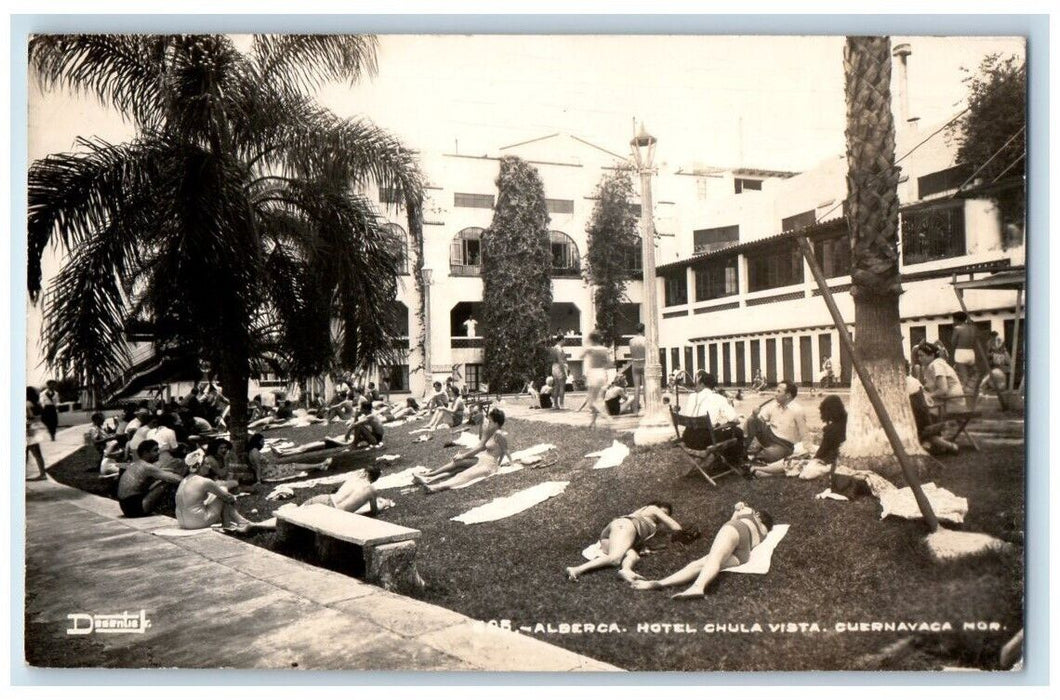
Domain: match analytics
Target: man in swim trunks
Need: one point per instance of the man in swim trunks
(732, 546)
(636, 359)
(357, 490)
(965, 337)
(142, 485)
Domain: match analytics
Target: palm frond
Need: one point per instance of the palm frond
(121, 70)
(292, 63)
(76, 195)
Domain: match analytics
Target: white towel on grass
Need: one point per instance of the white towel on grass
(508, 506)
(179, 532)
(538, 449)
(387, 458)
(610, 457)
(398, 479)
(467, 440)
(902, 503)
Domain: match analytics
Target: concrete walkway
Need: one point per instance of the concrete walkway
(214, 601)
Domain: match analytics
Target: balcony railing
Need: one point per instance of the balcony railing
(459, 341)
(464, 270)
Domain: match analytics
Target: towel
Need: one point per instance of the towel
(280, 493)
(762, 555)
(540, 448)
(610, 457)
(827, 493)
(467, 440)
(387, 458)
(398, 479)
(279, 479)
(179, 532)
(947, 506)
(508, 506)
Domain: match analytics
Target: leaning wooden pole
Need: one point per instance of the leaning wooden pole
(908, 471)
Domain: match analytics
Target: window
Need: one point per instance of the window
(716, 279)
(400, 246)
(833, 255)
(465, 252)
(705, 240)
(779, 265)
(635, 258)
(676, 288)
(943, 180)
(397, 376)
(806, 218)
(476, 201)
(932, 233)
(400, 319)
(390, 195)
(565, 260)
(742, 184)
(472, 376)
(560, 206)
(702, 188)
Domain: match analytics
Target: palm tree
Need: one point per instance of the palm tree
(230, 222)
(872, 215)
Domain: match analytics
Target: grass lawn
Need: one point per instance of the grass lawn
(839, 564)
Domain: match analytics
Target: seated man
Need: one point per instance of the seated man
(354, 492)
(142, 485)
(367, 427)
(437, 399)
(451, 415)
(776, 426)
(544, 397)
(615, 398)
(285, 411)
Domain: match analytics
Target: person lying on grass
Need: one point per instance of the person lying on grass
(623, 538)
(357, 490)
(484, 459)
(367, 428)
(732, 546)
(202, 502)
(266, 470)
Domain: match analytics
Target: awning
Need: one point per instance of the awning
(1013, 279)
(159, 369)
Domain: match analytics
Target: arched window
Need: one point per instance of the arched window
(565, 258)
(465, 252)
(400, 246)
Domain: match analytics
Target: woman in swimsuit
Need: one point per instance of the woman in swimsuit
(267, 470)
(624, 536)
(732, 546)
(202, 502)
(482, 460)
(596, 362)
(559, 372)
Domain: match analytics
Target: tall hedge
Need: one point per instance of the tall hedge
(612, 238)
(516, 279)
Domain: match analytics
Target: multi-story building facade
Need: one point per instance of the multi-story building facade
(741, 299)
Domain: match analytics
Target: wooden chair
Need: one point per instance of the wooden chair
(955, 409)
(699, 446)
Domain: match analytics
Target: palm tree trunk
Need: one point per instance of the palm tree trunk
(872, 216)
(235, 380)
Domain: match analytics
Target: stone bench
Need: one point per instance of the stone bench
(387, 551)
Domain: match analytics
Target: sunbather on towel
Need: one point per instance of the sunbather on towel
(354, 492)
(265, 469)
(482, 460)
(624, 537)
(732, 546)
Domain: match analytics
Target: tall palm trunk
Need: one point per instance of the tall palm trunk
(235, 380)
(872, 215)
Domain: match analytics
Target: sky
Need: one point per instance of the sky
(769, 102)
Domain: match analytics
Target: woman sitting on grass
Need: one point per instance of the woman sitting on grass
(482, 460)
(214, 466)
(624, 537)
(202, 502)
(451, 415)
(732, 546)
(265, 469)
(834, 415)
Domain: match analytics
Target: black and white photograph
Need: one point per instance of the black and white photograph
(579, 353)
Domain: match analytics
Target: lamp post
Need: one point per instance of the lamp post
(653, 428)
(426, 276)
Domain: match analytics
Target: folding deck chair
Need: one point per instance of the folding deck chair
(960, 416)
(698, 444)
